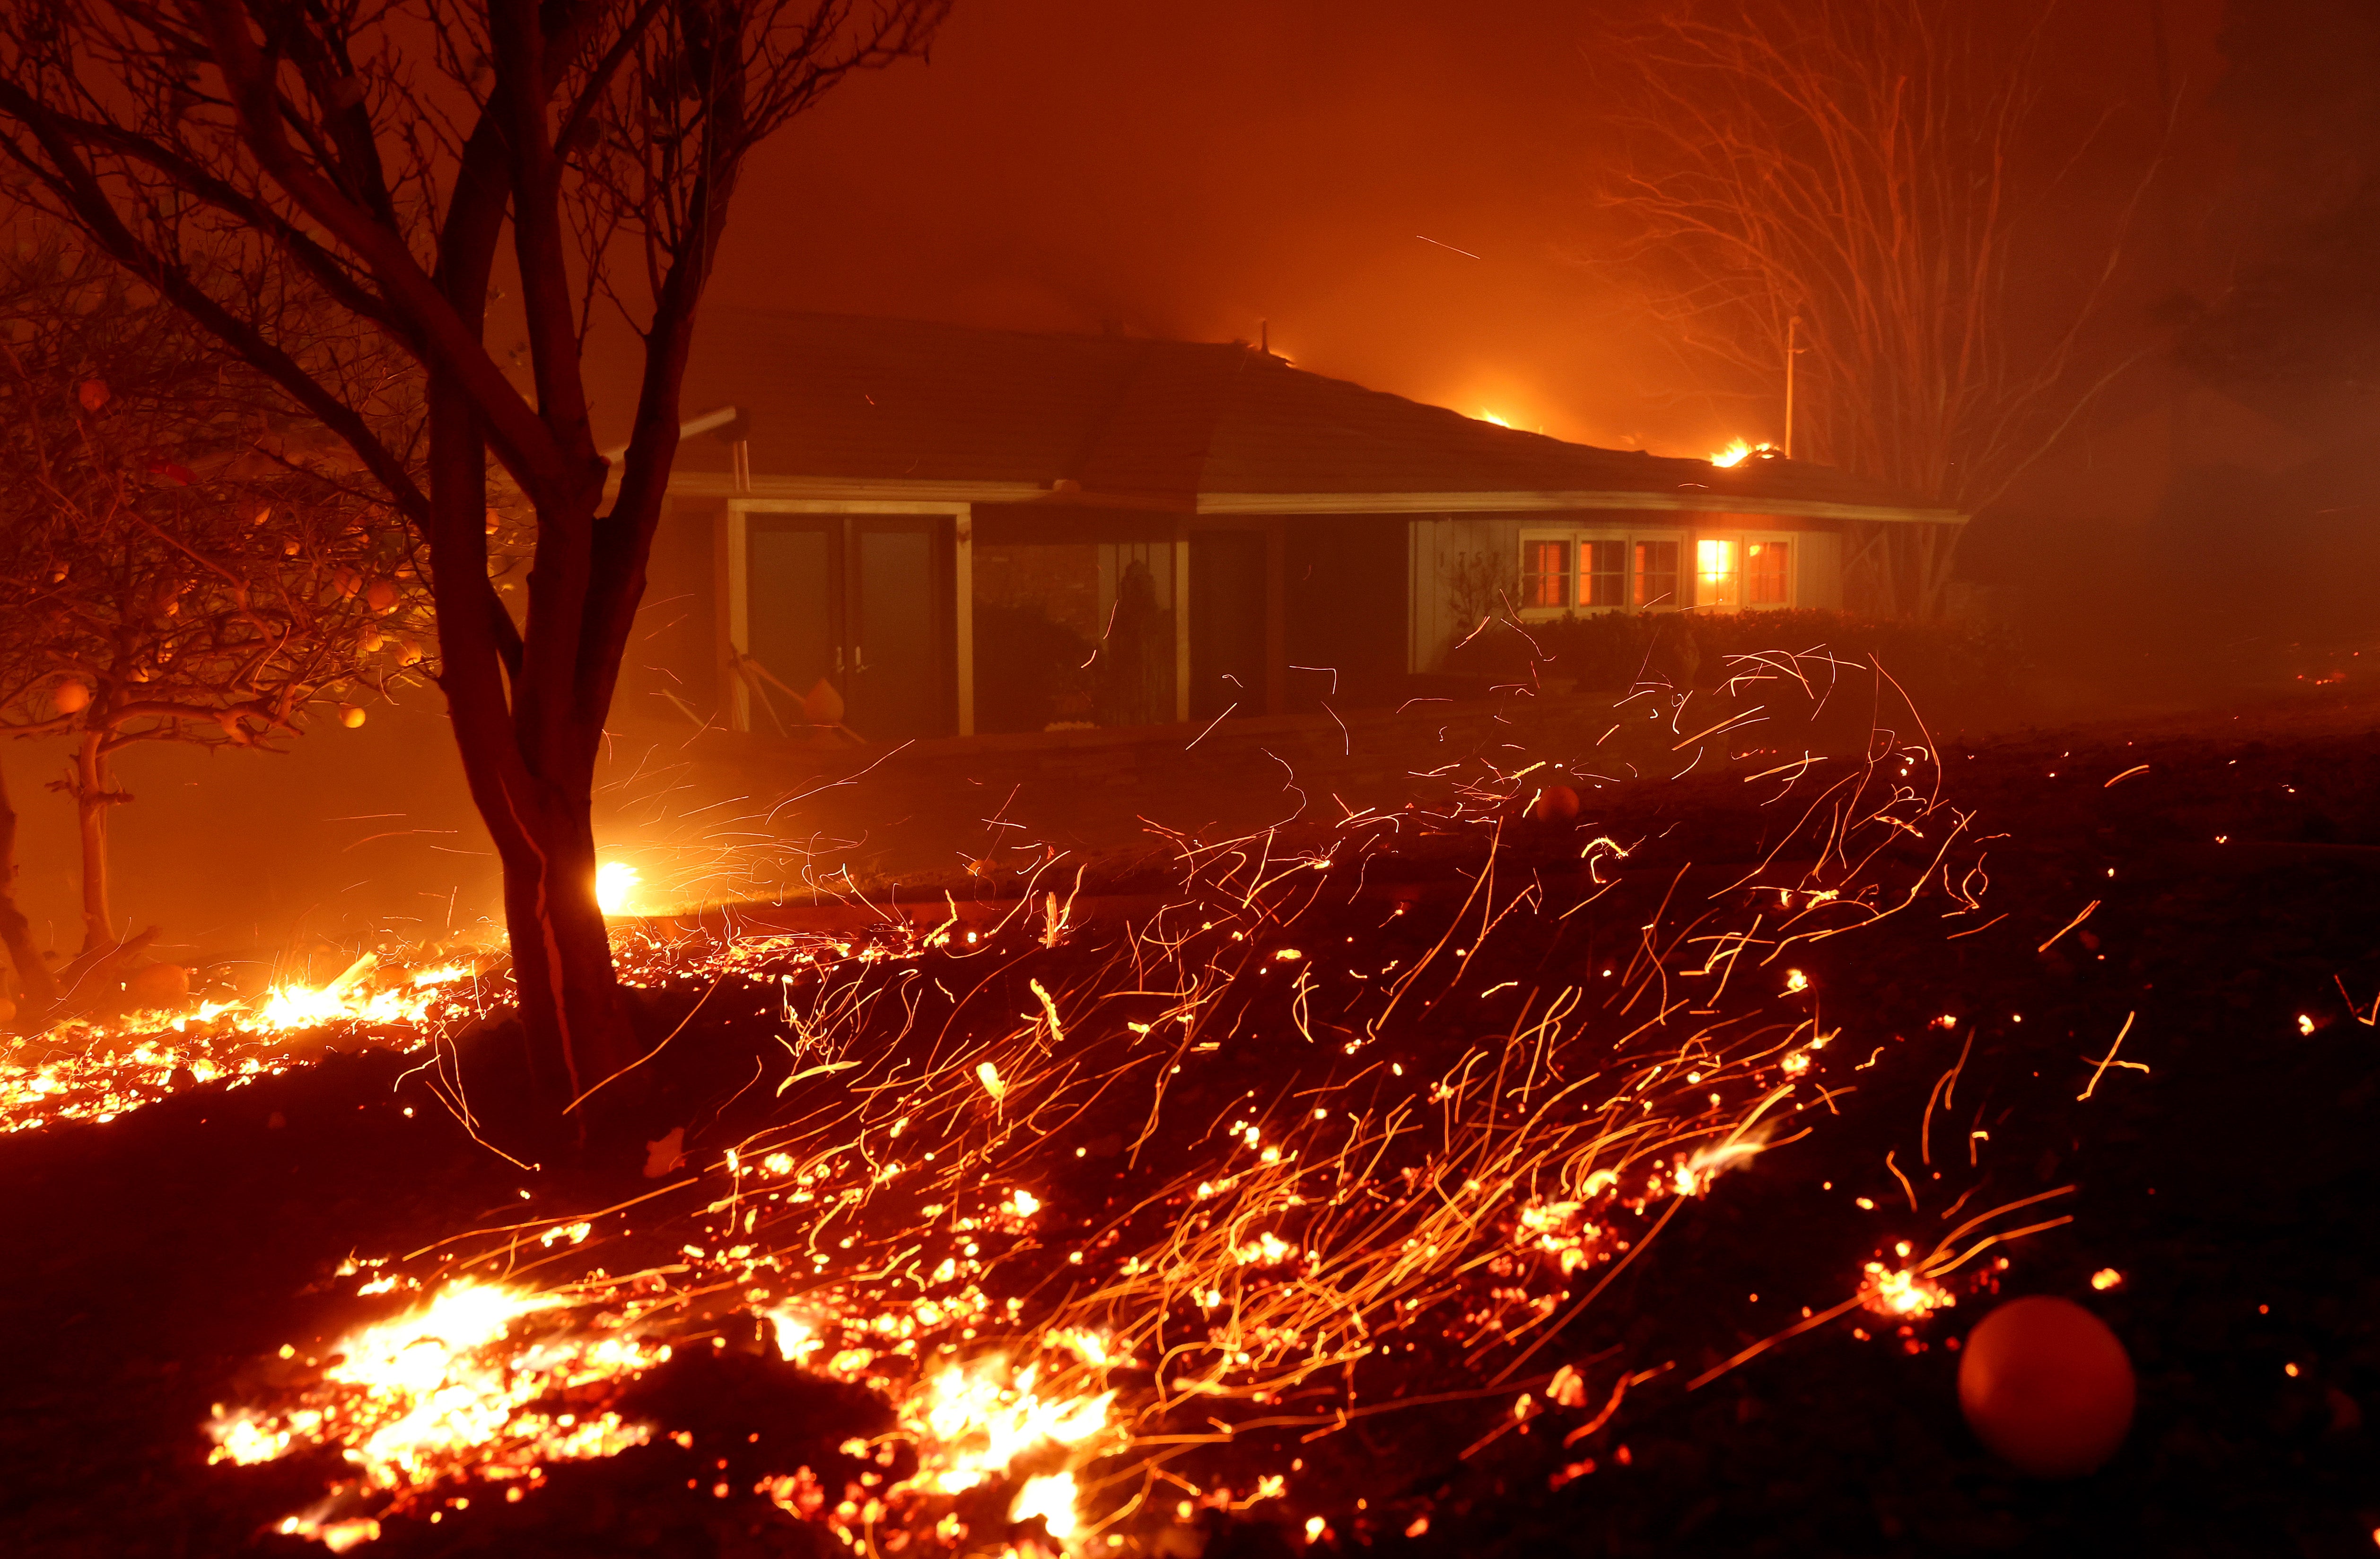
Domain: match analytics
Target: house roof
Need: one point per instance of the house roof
(842, 404)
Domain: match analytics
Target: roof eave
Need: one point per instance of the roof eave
(811, 489)
(1524, 503)
(723, 484)
(761, 488)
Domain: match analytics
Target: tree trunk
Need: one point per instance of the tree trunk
(531, 765)
(34, 987)
(570, 1000)
(91, 802)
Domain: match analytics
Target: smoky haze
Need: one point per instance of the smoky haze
(1388, 186)
(1400, 194)
(1333, 169)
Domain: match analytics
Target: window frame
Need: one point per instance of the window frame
(1580, 539)
(1794, 543)
(1567, 541)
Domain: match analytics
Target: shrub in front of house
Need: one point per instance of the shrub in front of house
(1028, 670)
(1618, 649)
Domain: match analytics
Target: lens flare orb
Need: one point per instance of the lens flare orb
(2046, 1386)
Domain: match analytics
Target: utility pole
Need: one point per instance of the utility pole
(1792, 328)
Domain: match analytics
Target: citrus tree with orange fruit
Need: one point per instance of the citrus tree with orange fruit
(180, 559)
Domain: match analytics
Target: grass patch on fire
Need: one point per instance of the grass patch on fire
(1339, 1198)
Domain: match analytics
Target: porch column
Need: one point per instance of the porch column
(963, 614)
(733, 614)
(1276, 616)
(1181, 622)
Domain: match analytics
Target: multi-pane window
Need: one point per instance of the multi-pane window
(1715, 574)
(1603, 573)
(1663, 571)
(1653, 581)
(1765, 579)
(1545, 573)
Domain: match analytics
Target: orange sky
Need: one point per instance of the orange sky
(1195, 171)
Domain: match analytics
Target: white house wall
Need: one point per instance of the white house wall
(1438, 545)
(1819, 569)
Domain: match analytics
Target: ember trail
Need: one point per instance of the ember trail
(1163, 794)
(1114, 1205)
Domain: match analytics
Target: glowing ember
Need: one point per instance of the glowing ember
(98, 1069)
(972, 1422)
(445, 1392)
(1425, 1186)
(336, 1536)
(347, 999)
(1051, 1500)
(975, 1422)
(1903, 1293)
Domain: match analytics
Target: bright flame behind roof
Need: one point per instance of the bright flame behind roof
(1737, 452)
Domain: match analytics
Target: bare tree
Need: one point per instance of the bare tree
(34, 986)
(1856, 175)
(180, 560)
(378, 152)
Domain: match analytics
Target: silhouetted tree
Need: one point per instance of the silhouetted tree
(377, 154)
(2297, 332)
(1859, 171)
(180, 559)
(34, 986)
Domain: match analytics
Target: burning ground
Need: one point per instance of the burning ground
(1444, 1179)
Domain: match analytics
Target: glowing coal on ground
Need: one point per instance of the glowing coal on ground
(1115, 1211)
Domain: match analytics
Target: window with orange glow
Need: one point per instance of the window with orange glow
(1545, 573)
(1561, 572)
(1603, 573)
(1766, 581)
(1715, 570)
(1655, 576)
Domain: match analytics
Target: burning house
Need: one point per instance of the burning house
(912, 530)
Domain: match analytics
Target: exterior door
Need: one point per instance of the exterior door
(1227, 622)
(796, 578)
(862, 604)
(899, 631)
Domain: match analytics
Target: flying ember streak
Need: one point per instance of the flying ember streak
(1209, 1208)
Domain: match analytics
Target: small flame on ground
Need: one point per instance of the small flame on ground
(1051, 1499)
(441, 1391)
(616, 886)
(97, 1069)
(1286, 1283)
